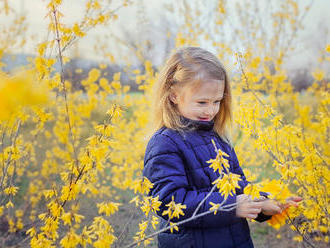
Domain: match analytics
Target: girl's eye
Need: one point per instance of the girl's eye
(201, 102)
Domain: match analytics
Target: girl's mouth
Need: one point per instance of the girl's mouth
(203, 119)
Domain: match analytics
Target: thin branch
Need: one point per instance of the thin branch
(296, 27)
(9, 155)
(248, 86)
(204, 199)
(228, 208)
(299, 232)
(74, 37)
(58, 39)
(118, 240)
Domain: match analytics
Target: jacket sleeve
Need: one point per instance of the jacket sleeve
(164, 167)
(238, 170)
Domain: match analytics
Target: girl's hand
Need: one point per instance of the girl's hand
(291, 201)
(270, 207)
(247, 208)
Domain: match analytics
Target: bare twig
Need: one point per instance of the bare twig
(75, 38)
(227, 208)
(118, 240)
(204, 199)
(296, 27)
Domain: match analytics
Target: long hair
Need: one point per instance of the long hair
(184, 66)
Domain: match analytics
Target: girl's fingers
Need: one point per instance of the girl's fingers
(242, 198)
(252, 211)
(251, 216)
(277, 209)
(291, 201)
(296, 198)
(255, 211)
(256, 204)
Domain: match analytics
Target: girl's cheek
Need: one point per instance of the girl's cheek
(196, 108)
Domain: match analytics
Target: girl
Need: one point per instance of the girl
(192, 107)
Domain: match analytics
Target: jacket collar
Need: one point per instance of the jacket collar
(197, 125)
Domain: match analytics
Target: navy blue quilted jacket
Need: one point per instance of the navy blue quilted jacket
(175, 162)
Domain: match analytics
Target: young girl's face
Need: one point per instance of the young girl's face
(199, 100)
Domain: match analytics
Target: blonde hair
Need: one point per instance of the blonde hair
(188, 65)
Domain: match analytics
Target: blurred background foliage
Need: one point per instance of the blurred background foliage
(75, 111)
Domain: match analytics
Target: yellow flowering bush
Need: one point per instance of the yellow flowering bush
(69, 157)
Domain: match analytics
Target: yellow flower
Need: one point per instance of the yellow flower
(19, 224)
(22, 89)
(318, 74)
(249, 176)
(69, 192)
(41, 48)
(150, 204)
(48, 193)
(116, 76)
(9, 205)
(219, 162)
(55, 208)
(77, 30)
(227, 184)
(12, 190)
(114, 111)
(108, 208)
(174, 210)
(19, 213)
(32, 231)
(93, 75)
(70, 240)
(277, 189)
(154, 221)
(298, 238)
(142, 185)
(67, 218)
(255, 63)
(136, 200)
(173, 226)
(252, 190)
(215, 165)
(215, 207)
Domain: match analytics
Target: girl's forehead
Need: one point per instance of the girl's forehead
(207, 80)
(206, 89)
(202, 83)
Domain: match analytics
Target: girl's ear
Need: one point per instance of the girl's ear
(173, 97)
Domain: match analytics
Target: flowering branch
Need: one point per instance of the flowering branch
(228, 207)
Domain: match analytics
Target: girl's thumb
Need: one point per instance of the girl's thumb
(294, 199)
